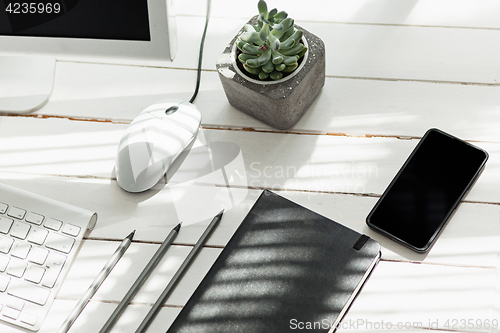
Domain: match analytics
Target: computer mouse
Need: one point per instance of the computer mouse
(155, 144)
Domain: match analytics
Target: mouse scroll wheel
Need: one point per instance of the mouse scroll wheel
(171, 110)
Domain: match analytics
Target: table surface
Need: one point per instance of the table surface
(394, 69)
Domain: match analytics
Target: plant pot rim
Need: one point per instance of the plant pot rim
(286, 78)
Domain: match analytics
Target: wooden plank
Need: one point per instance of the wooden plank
(373, 51)
(351, 106)
(93, 256)
(334, 164)
(395, 52)
(432, 283)
(122, 92)
(446, 13)
(411, 53)
(293, 162)
(358, 107)
(433, 297)
(59, 146)
(95, 315)
(471, 237)
(441, 294)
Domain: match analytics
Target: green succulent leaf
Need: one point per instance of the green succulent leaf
(274, 42)
(251, 70)
(251, 49)
(294, 50)
(263, 19)
(273, 12)
(291, 68)
(292, 40)
(288, 22)
(275, 75)
(251, 37)
(262, 6)
(280, 16)
(297, 35)
(243, 57)
(249, 28)
(288, 44)
(264, 32)
(263, 75)
(280, 67)
(240, 44)
(259, 25)
(280, 29)
(277, 58)
(287, 34)
(301, 53)
(268, 67)
(289, 60)
(260, 61)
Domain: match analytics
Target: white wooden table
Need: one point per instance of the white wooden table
(395, 68)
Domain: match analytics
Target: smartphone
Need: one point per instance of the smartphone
(427, 189)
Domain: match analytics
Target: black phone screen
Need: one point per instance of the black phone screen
(427, 189)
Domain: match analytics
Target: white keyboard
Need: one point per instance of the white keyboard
(39, 238)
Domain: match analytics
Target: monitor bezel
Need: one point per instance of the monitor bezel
(162, 46)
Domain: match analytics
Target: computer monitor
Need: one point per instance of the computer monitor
(34, 33)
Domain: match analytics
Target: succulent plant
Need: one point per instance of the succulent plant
(271, 48)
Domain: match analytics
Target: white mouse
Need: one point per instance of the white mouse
(156, 143)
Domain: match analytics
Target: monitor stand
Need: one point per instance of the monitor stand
(25, 83)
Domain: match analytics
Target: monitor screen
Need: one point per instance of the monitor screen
(125, 31)
(33, 34)
(100, 19)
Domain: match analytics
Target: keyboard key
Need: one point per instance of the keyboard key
(34, 218)
(53, 224)
(71, 230)
(28, 318)
(35, 252)
(28, 291)
(4, 282)
(21, 250)
(5, 244)
(5, 224)
(20, 230)
(18, 213)
(59, 242)
(37, 235)
(34, 274)
(14, 303)
(3, 208)
(11, 313)
(4, 261)
(16, 268)
(38, 255)
(53, 265)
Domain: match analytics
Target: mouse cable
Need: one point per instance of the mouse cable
(198, 79)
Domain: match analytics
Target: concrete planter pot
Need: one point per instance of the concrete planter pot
(280, 103)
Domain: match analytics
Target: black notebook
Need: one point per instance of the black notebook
(286, 269)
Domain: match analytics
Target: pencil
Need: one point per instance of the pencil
(97, 283)
(153, 262)
(180, 272)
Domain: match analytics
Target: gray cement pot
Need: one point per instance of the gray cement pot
(277, 103)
